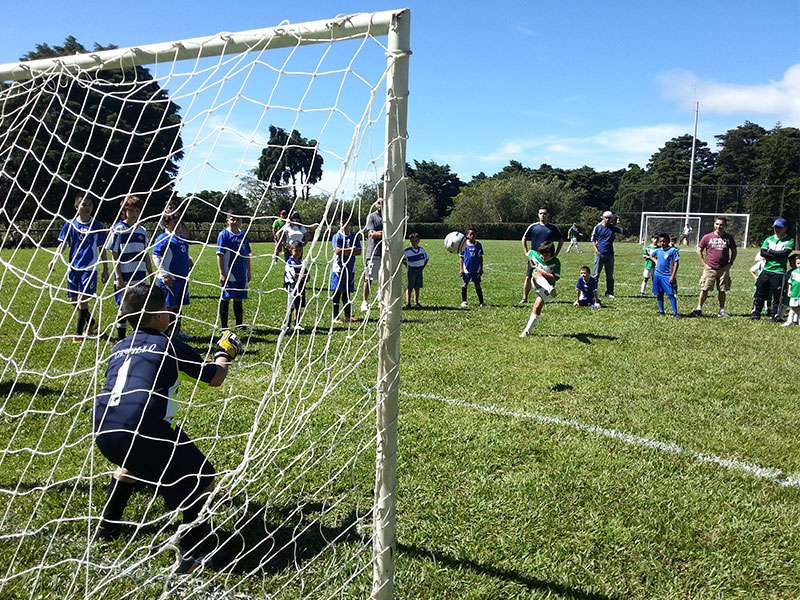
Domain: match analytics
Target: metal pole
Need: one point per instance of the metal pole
(391, 287)
(691, 166)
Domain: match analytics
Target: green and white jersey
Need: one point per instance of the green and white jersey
(550, 266)
(773, 243)
(794, 284)
(649, 263)
(572, 234)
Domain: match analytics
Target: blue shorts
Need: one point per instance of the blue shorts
(137, 277)
(81, 283)
(662, 285)
(466, 277)
(586, 302)
(178, 294)
(234, 291)
(165, 458)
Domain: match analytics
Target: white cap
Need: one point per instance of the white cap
(608, 214)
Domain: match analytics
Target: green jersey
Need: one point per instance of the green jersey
(550, 266)
(774, 243)
(649, 263)
(794, 284)
(573, 232)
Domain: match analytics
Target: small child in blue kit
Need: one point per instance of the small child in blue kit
(471, 267)
(665, 276)
(587, 289)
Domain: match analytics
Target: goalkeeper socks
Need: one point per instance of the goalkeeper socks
(83, 320)
(223, 313)
(238, 311)
(479, 291)
(463, 293)
(119, 492)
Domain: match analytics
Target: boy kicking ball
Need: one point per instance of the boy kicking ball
(134, 424)
(546, 271)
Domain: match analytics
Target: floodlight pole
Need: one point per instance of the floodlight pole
(384, 542)
(691, 166)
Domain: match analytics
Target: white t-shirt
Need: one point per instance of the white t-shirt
(293, 232)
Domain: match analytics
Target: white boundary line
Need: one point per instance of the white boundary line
(768, 473)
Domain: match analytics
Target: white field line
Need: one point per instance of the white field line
(768, 473)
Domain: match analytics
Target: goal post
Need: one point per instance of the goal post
(674, 223)
(297, 119)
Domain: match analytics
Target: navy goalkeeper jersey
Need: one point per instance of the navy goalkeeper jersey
(142, 377)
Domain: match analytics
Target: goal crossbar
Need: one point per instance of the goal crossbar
(282, 36)
(699, 215)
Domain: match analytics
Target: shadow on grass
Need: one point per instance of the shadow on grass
(586, 338)
(531, 583)
(26, 389)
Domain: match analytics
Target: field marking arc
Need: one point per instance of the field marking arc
(768, 473)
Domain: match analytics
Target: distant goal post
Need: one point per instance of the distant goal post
(673, 223)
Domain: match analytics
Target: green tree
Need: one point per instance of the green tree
(290, 161)
(672, 163)
(111, 132)
(778, 166)
(438, 181)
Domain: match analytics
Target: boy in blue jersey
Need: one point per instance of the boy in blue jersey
(86, 240)
(294, 281)
(233, 261)
(665, 276)
(128, 244)
(471, 267)
(346, 246)
(587, 289)
(134, 421)
(415, 258)
(545, 272)
(173, 264)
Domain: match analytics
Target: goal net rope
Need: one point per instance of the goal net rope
(699, 224)
(305, 118)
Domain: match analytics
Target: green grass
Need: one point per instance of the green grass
(515, 475)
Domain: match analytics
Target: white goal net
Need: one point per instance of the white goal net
(689, 229)
(211, 138)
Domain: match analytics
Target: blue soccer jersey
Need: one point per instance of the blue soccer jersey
(171, 254)
(344, 267)
(586, 289)
(84, 240)
(235, 249)
(292, 272)
(142, 378)
(665, 260)
(472, 255)
(130, 243)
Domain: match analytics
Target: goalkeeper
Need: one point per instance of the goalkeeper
(134, 420)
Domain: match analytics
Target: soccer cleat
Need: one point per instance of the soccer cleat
(661, 313)
(640, 294)
(483, 304)
(524, 334)
(338, 322)
(417, 305)
(77, 340)
(754, 316)
(523, 301)
(553, 292)
(788, 323)
(214, 562)
(299, 327)
(92, 328)
(364, 306)
(241, 327)
(774, 319)
(353, 319)
(464, 304)
(722, 314)
(408, 306)
(610, 296)
(107, 531)
(678, 317)
(696, 313)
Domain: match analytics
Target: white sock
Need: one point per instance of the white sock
(531, 322)
(644, 286)
(700, 308)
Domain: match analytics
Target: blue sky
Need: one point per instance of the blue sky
(566, 83)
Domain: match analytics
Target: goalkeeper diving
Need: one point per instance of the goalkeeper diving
(135, 424)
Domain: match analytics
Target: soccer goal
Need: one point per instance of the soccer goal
(674, 223)
(306, 118)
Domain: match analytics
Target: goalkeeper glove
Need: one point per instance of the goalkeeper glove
(229, 346)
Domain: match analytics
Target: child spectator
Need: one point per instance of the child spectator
(233, 261)
(294, 280)
(649, 264)
(471, 267)
(573, 234)
(128, 244)
(173, 264)
(86, 240)
(134, 421)
(346, 246)
(665, 276)
(415, 258)
(546, 271)
(292, 230)
(587, 289)
(793, 291)
(755, 271)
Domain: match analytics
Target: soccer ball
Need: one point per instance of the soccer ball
(454, 242)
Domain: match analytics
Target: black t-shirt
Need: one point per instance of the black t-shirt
(142, 378)
(538, 233)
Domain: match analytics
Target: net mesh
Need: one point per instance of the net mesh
(701, 224)
(291, 432)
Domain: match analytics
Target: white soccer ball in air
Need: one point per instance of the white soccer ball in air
(454, 242)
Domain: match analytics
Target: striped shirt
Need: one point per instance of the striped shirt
(130, 243)
(415, 259)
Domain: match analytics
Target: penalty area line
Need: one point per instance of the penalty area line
(767, 473)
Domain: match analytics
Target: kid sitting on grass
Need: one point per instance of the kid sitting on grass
(546, 271)
(294, 280)
(665, 276)
(647, 274)
(471, 267)
(415, 258)
(134, 421)
(587, 290)
(233, 261)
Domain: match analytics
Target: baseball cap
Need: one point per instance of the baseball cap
(283, 213)
(608, 214)
(779, 223)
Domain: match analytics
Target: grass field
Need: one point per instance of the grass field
(613, 454)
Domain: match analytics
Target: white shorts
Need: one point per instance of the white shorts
(647, 273)
(543, 294)
(794, 302)
(372, 268)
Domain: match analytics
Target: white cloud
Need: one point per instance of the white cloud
(779, 98)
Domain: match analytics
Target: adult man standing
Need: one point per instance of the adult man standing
(603, 242)
(720, 252)
(543, 231)
(372, 269)
(775, 250)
